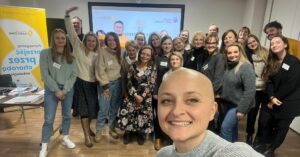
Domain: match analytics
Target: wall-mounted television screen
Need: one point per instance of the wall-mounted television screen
(130, 18)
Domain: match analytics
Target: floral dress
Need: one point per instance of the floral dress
(134, 117)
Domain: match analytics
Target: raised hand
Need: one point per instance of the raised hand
(70, 10)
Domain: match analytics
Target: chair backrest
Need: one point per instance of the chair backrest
(6, 81)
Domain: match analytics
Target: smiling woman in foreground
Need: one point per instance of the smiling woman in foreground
(184, 116)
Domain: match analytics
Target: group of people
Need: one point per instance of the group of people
(145, 89)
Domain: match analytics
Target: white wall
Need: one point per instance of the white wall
(4, 2)
(254, 16)
(199, 14)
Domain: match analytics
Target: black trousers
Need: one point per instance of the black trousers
(260, 98)
(272, 126)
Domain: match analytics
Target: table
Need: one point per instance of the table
(39, 102)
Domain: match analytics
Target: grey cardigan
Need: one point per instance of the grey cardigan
(239, 88)
(212, 146)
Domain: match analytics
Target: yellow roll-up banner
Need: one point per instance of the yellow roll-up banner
(23, 34)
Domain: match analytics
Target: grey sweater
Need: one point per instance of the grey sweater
(239, 88)
(57, 73)
(212, 146)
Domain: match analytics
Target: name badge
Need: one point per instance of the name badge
(193, 58)
(205, 67)
(110, 62)
(141, 73)
(164, 64)
(56, 65)
(285, 66)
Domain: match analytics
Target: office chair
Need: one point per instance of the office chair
(6, 81)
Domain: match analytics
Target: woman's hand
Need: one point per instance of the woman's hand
(270, 105)
(240, 115)
(276, 102)
(60, 95)
(138, 98)
(106, 94)
(70, 10)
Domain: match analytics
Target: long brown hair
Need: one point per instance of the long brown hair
(118, 48)
(155, 49)
(67, 50)
(223, 46)
(273, 64)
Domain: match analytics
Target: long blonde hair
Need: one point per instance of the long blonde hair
(243, 59)
(261, 52)
(92, 34)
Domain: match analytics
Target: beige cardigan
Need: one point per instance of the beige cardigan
(85, 63)
(107, 67)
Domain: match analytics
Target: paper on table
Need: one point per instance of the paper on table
(22, 90)
(16, 91)
(24, 99)
(41, 92)
(2, 96)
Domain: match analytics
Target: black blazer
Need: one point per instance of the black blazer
(285, 86)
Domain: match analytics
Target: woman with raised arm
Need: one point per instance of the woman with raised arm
(58, 71)
(86, 53)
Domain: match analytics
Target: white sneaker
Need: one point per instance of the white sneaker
(113, 133)
(43, 153)
(98, 136)
(67, 142)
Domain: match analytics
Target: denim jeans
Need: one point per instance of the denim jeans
(50, 107)
(108, 108)
(229, 127)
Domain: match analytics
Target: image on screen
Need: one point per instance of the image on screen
(146, 18)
